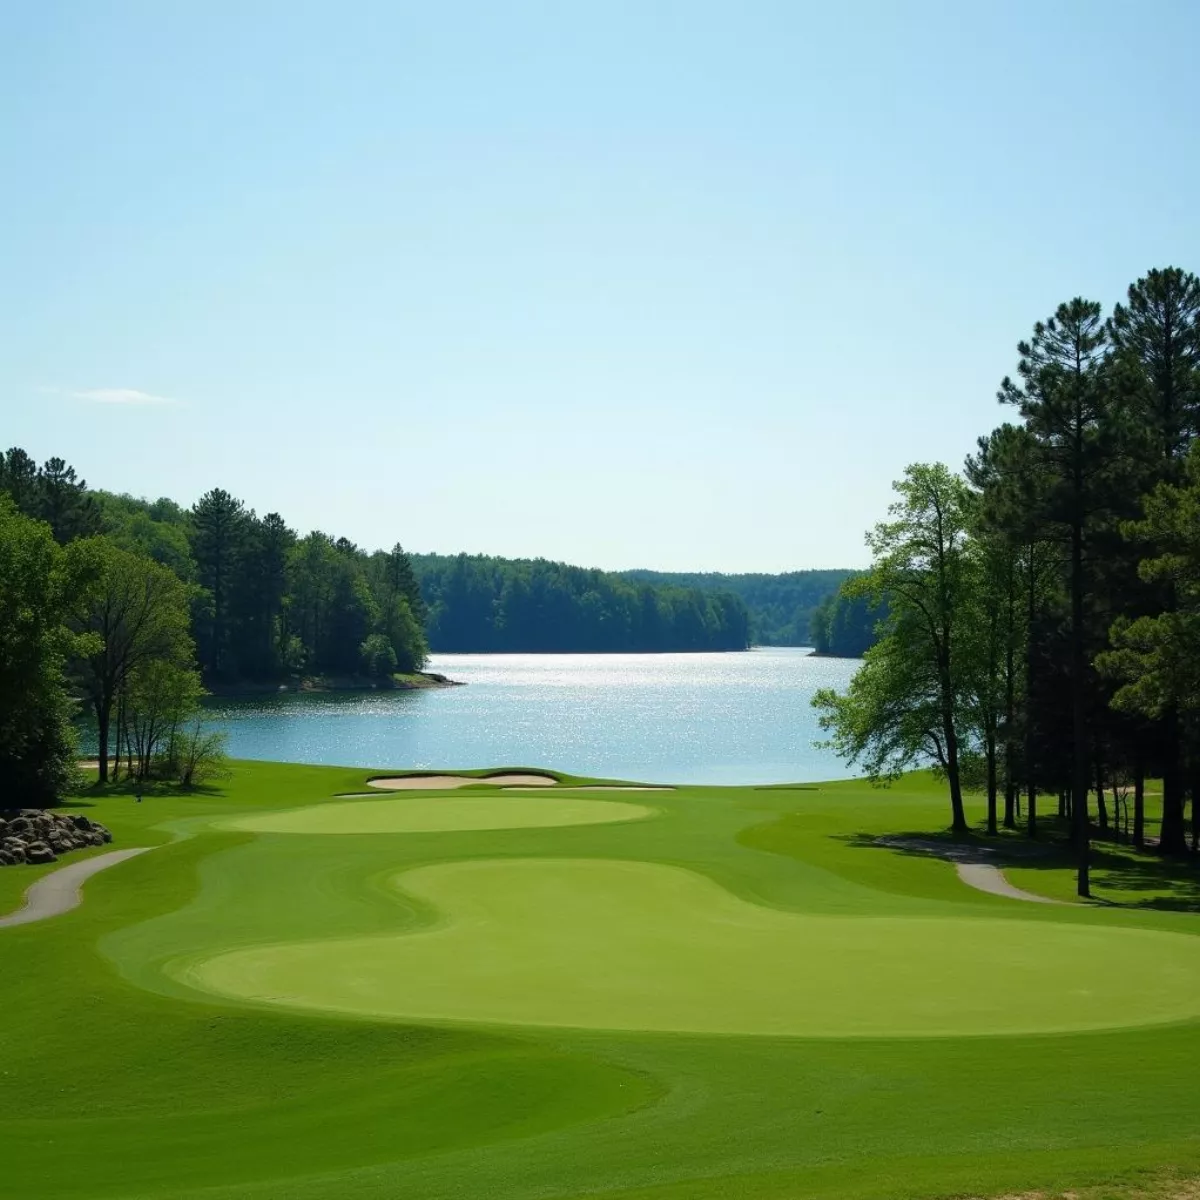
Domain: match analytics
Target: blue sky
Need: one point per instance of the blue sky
(645, 284)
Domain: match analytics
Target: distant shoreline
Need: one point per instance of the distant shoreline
(417, 681)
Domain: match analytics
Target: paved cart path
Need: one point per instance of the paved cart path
(61, 890)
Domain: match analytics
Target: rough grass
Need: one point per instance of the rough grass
(123, 1082)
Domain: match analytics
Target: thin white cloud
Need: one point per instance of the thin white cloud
(120, 396)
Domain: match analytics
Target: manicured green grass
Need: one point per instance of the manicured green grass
(423, 814)
(122, 1080)
(602, 944)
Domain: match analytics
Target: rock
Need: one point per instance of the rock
(31, 835)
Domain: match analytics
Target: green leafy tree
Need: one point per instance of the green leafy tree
(201, 754)
(157, 529)
(909, 702)
(378, 657)
(160, 698)
(844, 625)
(40, 585)
(138, 613)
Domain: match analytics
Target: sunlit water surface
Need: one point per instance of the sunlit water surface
(662, 718)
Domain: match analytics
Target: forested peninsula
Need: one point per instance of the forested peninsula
(264, 605)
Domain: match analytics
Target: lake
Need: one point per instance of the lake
(661, 718)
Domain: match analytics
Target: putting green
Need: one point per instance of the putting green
(639, 946)
(421, 814)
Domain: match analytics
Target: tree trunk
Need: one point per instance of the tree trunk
(1139, 802)
(991, 781)
(1079, 730)
(1010, 701)
(1195, 811)
(958, 816)
(1172, 837)
(1101, 805)
(1030, 777)
(102, 720)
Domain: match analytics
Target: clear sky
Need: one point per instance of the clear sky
(627, 284)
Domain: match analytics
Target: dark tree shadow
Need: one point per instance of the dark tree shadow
(1114, 867)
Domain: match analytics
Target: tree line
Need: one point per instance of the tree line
(1042, 633)
(781, 607)
(142, 605)
(484, 604)
(137, 607)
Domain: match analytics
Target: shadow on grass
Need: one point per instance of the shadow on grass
(1176, 881)
(150, 790)
(1147, 880)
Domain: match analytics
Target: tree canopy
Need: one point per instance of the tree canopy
(1071, 621)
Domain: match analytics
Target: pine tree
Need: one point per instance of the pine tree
(219, 528)
(1156, 343)
(1075, 417)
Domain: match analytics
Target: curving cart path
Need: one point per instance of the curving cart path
(971, 866)
(983, 877)
(61, 890)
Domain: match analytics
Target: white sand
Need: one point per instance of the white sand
(405, 783)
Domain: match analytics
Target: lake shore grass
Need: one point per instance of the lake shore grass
(134, 1082)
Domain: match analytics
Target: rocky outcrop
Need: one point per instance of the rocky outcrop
(29, 835)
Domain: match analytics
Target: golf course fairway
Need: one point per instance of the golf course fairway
(710, 993)
(640, 946)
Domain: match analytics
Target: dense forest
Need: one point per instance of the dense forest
(1042, 634)
(137, 606)
(480, 604)
(845, 624)
(781, 607)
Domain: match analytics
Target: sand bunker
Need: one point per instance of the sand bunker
(441, 814)
(405, 783)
